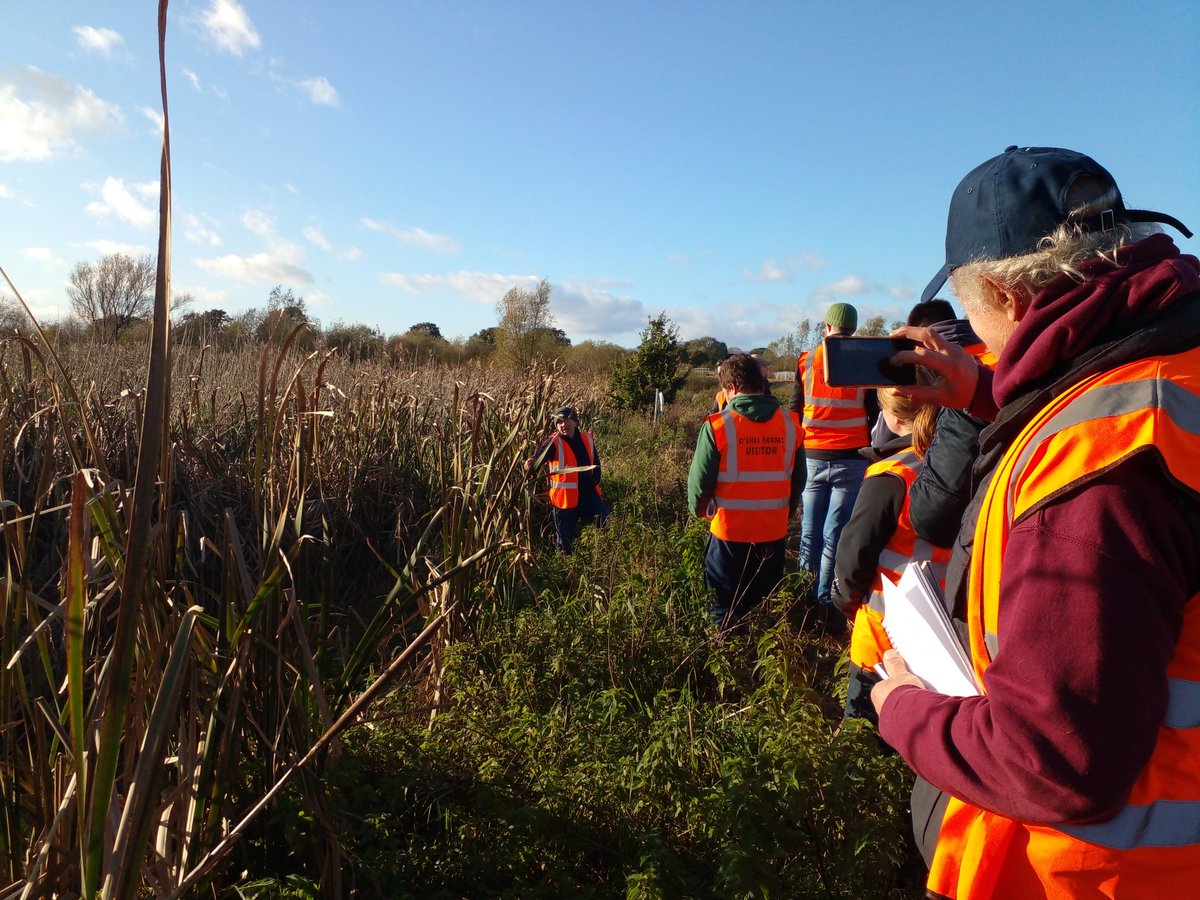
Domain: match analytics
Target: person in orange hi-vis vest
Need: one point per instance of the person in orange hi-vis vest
(1076, 772)
(879, 540)
(745, 466)
(837, 425)
(574, 463)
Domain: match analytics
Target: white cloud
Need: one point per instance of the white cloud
(197, 231)
(415, 237)
(261, 267)
(193, 78)
(229, 27)
(258, 222)
(154, 116)
(43, 115)
(591, 310)
(319, 91)
(769, 271)
(281, 265)
(773, 270)
(678, 259)
(481, 287)
(205, 297)
(107, 248)
(98, 40)
(4, 191)
(315, 237)
(42, 254)
(118, 200)
(850, 286)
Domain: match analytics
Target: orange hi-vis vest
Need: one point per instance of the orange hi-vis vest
(1151, 848)
(721, 399)
(754, 481)
(868, 640)
(834, 418)
(564, 488)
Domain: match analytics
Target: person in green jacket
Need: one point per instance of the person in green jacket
(744, 559)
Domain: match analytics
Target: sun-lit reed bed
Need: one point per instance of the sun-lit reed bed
(313, 518)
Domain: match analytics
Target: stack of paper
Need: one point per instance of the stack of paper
(915, 619)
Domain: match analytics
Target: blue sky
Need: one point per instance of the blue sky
(738, 165)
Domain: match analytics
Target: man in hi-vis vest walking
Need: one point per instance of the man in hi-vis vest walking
(745, 464)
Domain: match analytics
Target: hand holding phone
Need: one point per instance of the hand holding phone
(866, 362)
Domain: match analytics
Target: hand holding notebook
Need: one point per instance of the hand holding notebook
(914, 617)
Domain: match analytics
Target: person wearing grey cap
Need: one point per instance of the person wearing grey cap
(1076, 771)
(574, 463)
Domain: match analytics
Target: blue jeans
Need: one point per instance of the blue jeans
(829, 496)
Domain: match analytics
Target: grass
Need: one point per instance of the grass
(275, 624)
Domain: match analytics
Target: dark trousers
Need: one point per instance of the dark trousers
(591, 508)
(740, 575)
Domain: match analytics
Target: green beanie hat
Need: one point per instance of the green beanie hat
(842, 315)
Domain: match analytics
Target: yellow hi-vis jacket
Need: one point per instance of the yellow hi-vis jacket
(834, 418)
(868, 640)
(754, 480)
(564, 488)
(1151, 848)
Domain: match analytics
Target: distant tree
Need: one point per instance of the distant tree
(705, 351)
(524, 331)
(426, 328)
(873, 327)
(659, 363)
(594, 357)
(284, 312)
(201, 327)
(12, 317)
(806, 336)
(486, 335)
(354, 342)
(113, 293)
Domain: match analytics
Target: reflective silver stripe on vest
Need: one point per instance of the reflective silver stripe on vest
(992, 643)
(751, 504)
(1164, 823)
(1107, 401)
(810, 422)
(1183, 704)
(730, 458)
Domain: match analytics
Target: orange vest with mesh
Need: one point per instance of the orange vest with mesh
(1151, 848)
(754, 481)
(868, 640)
(564, 487)
(834, 418)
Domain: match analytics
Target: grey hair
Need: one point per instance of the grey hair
(1064, 251)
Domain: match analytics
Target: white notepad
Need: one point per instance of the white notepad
(915, 620)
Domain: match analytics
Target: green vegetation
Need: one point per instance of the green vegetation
(278, 618)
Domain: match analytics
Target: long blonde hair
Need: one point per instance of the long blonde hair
(922, 417)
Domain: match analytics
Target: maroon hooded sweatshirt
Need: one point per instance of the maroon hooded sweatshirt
(1093, 588)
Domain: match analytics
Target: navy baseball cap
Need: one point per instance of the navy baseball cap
(564, 412)
(1005, 206)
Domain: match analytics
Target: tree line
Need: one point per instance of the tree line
(112, 300)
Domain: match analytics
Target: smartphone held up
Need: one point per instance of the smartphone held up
(866, 362)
